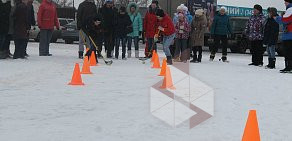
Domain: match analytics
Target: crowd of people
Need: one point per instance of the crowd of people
(17, 19)
(182, 36)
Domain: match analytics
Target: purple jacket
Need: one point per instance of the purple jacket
(255, 27)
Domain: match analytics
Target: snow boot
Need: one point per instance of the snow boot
(3, 55)
(252, 64)
(200, 58)
(224, 59)
(136, 53)
(112, 53)
(212, 56)
(288, 68)
(129, 53)
(169, 60)
(194, 61)
(271, 64)
(80, 54)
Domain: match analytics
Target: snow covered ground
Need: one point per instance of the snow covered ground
(36, 104)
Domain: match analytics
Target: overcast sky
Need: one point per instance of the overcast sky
(279, 4)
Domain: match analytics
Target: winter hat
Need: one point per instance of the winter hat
(290, 1)
(182, 7)
(185, 8)
(133, 5)
(199, 12)
(258, 7)
(160, 13)
(155, 2)
(223, 8)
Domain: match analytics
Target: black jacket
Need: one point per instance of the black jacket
(93, 30)
(271, 32)
(21, 24)
(5, 9)
(109, 16)
(121, 23)
(86, 10)
(30, 15)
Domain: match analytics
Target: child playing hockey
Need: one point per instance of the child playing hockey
(167, 28)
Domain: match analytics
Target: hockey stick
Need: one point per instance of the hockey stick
(98, 52)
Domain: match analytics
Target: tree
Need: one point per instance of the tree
(141, 3)
(64, 3)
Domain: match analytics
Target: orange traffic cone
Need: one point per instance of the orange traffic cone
(163, 68)
(153, 56)
(167, 82)
(92, 61)
(86, 67)
(156, 63)
(251, 131)
(76, 78)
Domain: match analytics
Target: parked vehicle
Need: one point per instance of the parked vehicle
(70, 33)
(35, 31)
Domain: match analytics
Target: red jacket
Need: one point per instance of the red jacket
(150, 25)
(47, 16)
(287, 18)
(168, 25)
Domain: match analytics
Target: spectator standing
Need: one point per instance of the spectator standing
(47, 20)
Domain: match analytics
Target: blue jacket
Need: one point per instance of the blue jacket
(136, 19)
(285, 35)
(221, 25)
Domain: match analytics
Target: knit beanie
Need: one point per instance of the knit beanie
(160, 13)
(155, 2)
(258, 7)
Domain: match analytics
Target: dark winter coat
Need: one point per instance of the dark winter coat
(31, 17)
(255, 27)
(121, 23)
(21, 24)
(86, 10)
(5, 9)
(93, 30)
(109, 17)
(199, 27)
(167, 24)
(271, 32)
(221, 25)
(47, 16)
(150, 24)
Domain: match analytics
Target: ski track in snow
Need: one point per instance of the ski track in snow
(37, 104)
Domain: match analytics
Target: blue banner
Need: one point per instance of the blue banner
(242, 11)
